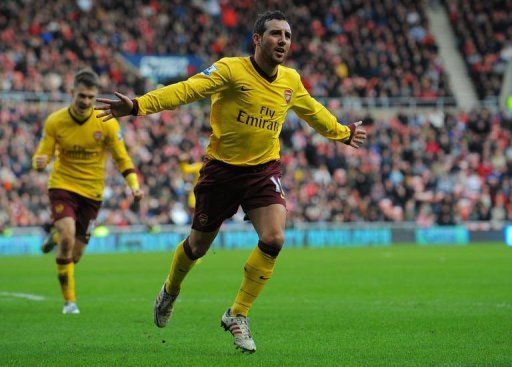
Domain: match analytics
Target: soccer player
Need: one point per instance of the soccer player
(79, 141)
(250, 97)
(190, 168)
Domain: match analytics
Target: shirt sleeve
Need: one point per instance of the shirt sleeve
(47, 144)
(212, 80)
(115, 145)
(317, 116)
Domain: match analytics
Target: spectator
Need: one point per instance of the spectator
(407, 171)
(484, 34)
(349, 48)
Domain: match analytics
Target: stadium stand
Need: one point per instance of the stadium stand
(412, 167)
(426, 167)
(350, 48)
(484, 32)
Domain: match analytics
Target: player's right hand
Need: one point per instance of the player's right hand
(40, 162)
(138, 194)
(114, 107)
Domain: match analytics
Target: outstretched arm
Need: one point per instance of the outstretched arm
(202, 85)
(324, 122)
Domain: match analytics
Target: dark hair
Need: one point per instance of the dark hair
(87, 77)
(259, 25)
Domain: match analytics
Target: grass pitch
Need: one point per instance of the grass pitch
(396, 306)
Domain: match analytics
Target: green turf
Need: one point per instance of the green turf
(397, 306)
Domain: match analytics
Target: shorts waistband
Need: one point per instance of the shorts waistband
(255, 168)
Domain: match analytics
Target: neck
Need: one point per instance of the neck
(268, 67)
(80, 116)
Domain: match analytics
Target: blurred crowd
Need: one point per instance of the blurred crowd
(484, 35)
(436, 167)
(428, 168)
(350, 48)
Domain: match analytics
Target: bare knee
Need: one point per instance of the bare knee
(66, 237)
(66, 243)
(199, 242)
(199, 248)
(274, 238)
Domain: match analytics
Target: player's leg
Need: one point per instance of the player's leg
(185, 257)
(70, 307)
(216, 200)
(65, 266)
(187, 253)
(85, 211)
(63, 206)
(269, 223)
(85, 223)
(265, 206)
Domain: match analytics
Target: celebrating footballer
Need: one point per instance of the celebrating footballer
(250, 98)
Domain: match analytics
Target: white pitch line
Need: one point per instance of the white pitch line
(32, 297)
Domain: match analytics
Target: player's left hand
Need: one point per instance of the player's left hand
(357, 136)
(137, 194)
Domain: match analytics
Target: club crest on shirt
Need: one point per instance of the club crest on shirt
(97, 135)
(288, 95)
(59, 208)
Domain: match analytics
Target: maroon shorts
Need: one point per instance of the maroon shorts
(222, 188)
(83, 210)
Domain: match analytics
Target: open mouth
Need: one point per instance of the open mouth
(280, 51)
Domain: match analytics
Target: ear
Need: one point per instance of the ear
(256, 39)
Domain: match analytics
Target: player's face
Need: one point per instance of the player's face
(83, 98)
(276, 40)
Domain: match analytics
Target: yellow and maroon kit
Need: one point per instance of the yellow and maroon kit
(80, 148)
(248, 109)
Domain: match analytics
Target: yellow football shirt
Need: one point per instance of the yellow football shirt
(80, 151)
(247, 109)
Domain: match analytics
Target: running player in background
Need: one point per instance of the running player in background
(188, 167)
(250, 97)
(79, 141)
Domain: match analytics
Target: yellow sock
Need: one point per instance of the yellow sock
(257, 272)
(181, 265)
(55, 237)
(66, 275)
